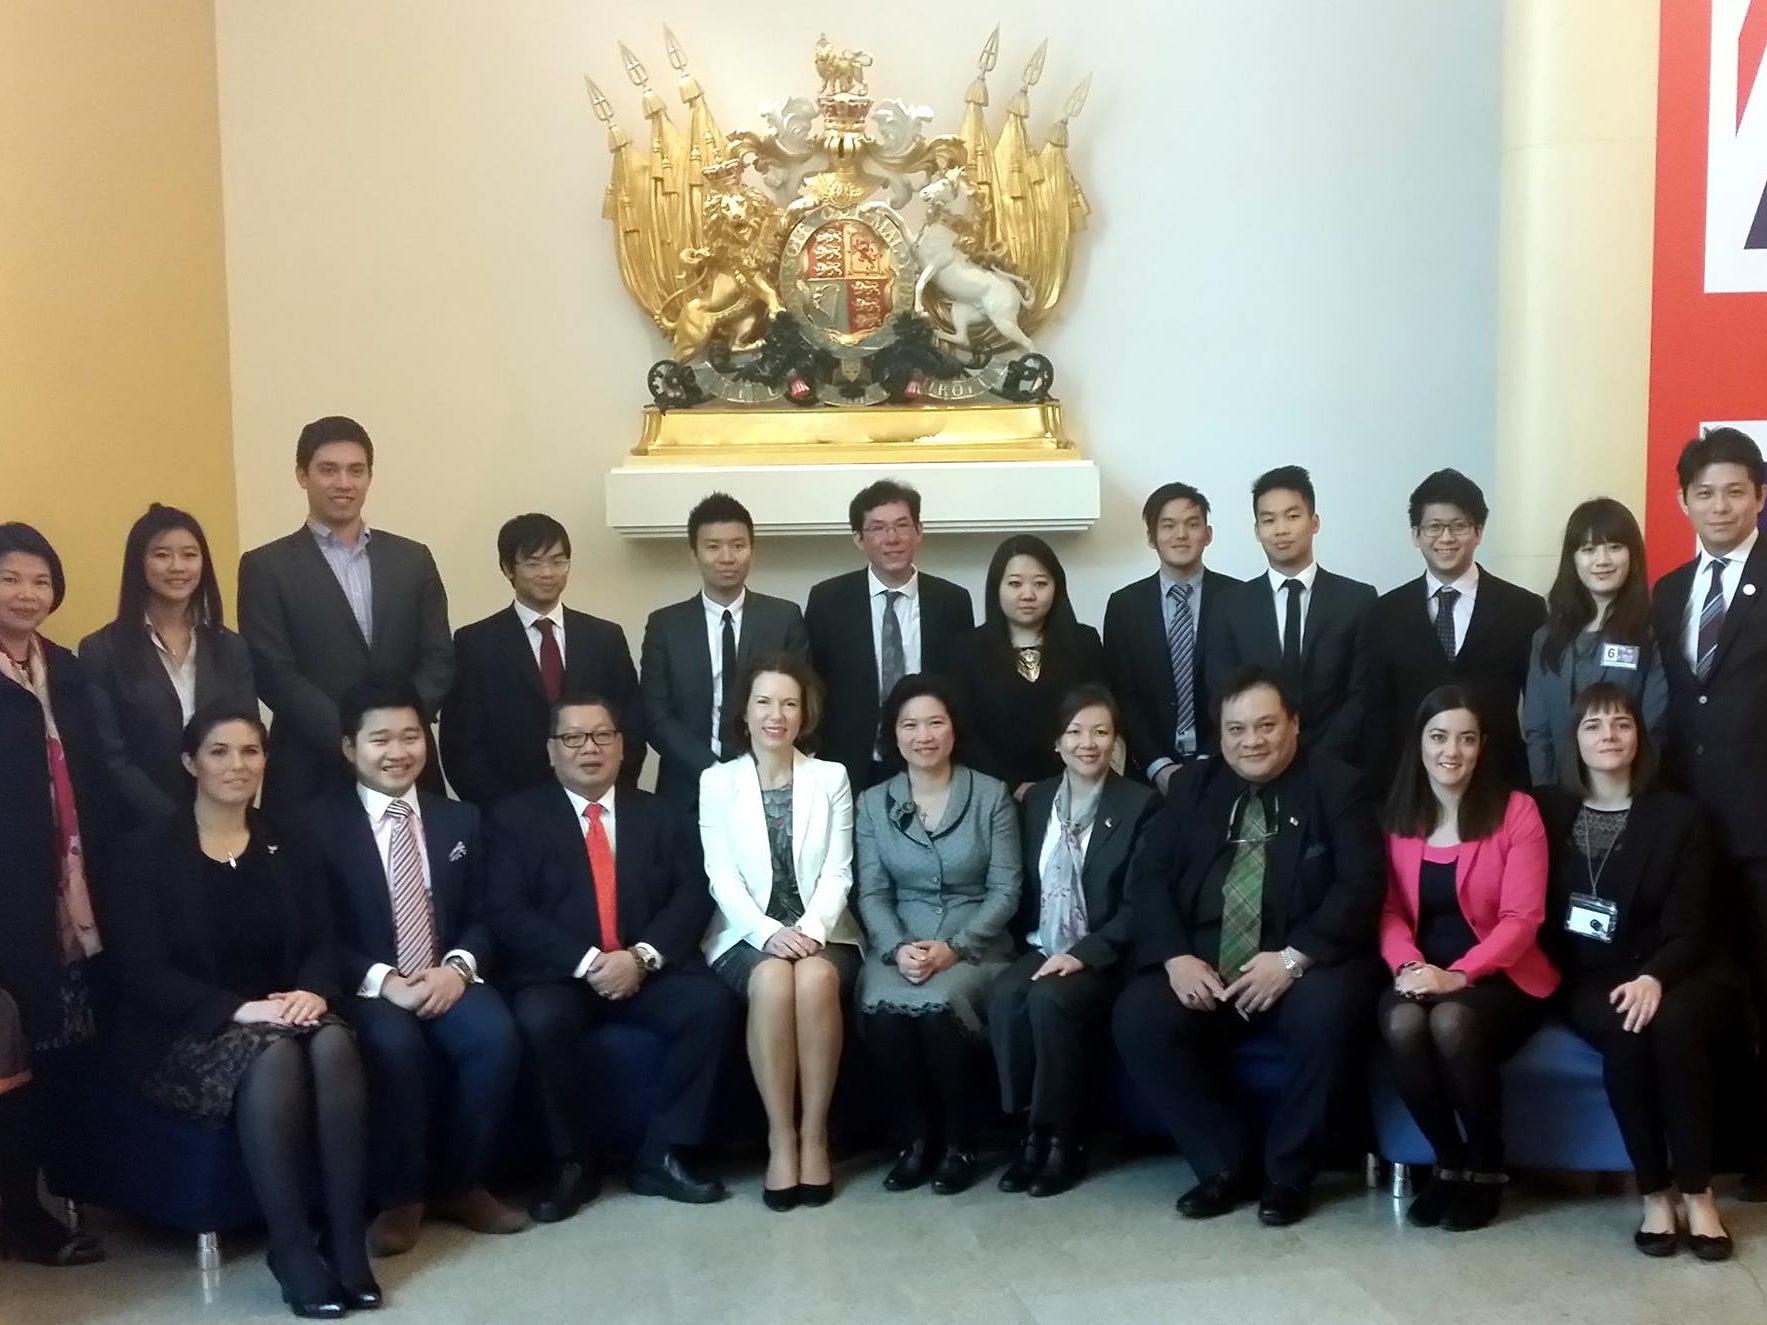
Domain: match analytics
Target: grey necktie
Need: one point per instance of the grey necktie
(895, 657)
(1711, 626)
(1181, 644)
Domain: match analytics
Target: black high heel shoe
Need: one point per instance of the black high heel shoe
(311, 1291)
(781, 1199)
(48, 1242)
(815, 1193)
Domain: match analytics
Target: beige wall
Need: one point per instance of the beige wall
(113, 338)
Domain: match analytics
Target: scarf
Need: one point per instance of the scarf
(1063, 900)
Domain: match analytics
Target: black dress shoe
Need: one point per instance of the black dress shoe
(1027, 1164)
(1062, 1168)
(671, 1178)
(571, 1186)
(1281, 1205)
(1711, 1249)
(781, 1199)
(1213, 1196)
(1657, 1244)
(815, 1193)
(308, 1286)
(956, 1172)
(1474, 1206)
(1433, 1201)
(365, 1295)
(911, 1169)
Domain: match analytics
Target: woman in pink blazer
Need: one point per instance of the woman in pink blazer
(1466, 894)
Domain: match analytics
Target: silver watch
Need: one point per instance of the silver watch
(1292, 963)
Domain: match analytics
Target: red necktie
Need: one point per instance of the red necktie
(551, 660)
(601, 868)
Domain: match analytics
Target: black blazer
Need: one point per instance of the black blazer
(356, 884)
(497, 717)
(543, 895)
(1406, 662)
(1333, 684)
(676, 681)
(1138, 663)
(1660, 875)
(838, 618)
(161, 933)
(1010, 722)
(1326, 864)
(140, 723)
(1124, 809)
(307, 649)
(1713, 747)
(30, 870)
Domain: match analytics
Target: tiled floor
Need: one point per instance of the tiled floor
(1111, 1251)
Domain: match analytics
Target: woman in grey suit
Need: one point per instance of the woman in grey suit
(167, 654)
(938, 864)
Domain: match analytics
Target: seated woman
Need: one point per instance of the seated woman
(53, 850)
(229, 975)
(1628, 924)
(938, 858)
(167, 654)
(1014, 668)
(1466, 892)
(777, 828)
(1080, 828)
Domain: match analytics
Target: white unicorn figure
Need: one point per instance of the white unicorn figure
(976, 292)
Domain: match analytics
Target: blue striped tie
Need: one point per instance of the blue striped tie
(1711, 620)
(1181, 644)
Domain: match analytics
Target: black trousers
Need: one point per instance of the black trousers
(1178, 1058)
(689, 1008)
(932, 1065)
(1043, 1032)
(1740, 894)
(1660, 1081)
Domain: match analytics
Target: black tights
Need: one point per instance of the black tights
(296, 1089)
(932, 1067)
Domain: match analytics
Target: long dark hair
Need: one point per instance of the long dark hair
(1060, 626)
(134, 595)
(1570, 607)
(1412, 809)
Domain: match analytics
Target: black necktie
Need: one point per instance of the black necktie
(1291, 630)
(1445, 600)
(727, 716)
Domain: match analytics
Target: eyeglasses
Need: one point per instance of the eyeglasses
(875, 529)
(602, 736)
(532, 564)
(1436, 528)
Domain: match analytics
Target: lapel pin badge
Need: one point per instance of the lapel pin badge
(1110, 823)
(1293, 822)
(1749, 589)
(459, 851)
(271, 848)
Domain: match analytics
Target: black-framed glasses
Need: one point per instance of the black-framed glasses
(602, 736)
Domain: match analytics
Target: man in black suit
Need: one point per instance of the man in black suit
(1298, 619)
(1153, 631)
(694, 653)
(599, 899)
(1257, 893)
(870, 628)
(405, 873)
(1456, 624)
(514, 665)
(332, 604)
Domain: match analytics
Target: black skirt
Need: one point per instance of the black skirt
(200, 1075)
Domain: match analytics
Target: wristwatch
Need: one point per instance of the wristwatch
(460, 968)
(1292, 963)
(646, 958)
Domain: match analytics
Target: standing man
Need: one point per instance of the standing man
(1457, 623)
(870, 628)
(332, 604)
(694, 652)
(1153, 632)
(1299, 620)
(405, 873)
(511, 667)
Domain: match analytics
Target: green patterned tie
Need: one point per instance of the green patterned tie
(1242, 895)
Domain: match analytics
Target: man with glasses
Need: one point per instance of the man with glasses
(1455, 624)
(599, 899)
(870, 628)
(514, 665)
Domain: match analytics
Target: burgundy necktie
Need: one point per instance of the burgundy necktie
(551, 660)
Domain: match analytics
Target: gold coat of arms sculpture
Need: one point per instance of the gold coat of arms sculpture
(839, 286)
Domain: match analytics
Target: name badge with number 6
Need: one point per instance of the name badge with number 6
(1620, 655)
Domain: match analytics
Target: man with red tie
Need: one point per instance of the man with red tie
(599, 898)
(515, 664)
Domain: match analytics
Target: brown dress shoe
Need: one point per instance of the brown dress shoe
(482, 1213)
(395, 1232)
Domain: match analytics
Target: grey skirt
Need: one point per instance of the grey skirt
(962, 990)
(200, 1074)
(15, 1062)
(738, 962)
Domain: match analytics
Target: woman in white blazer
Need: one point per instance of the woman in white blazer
(777, 827)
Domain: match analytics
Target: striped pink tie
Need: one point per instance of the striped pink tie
(414, 927)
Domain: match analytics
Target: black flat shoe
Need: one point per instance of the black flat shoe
(1432, 1203)
(781, 1199)
(911, 1169)
(1213, 1196)
(571, 1186)
(1027, 1164)
(672, 1179)
(1657, 1244)
(1281, 1205)
(815, 1193)
(1064, 1166)
(1711, 1249)
(49, 1242)
(956, 1172)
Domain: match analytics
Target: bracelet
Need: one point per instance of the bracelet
(1409, 966)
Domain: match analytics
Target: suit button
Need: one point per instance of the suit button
(1702, 699)
(1699, 749)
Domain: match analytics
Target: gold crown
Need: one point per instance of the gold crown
(724, 175)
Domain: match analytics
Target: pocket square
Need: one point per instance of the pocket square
(271, 848)
(459, 851)
(1317, 849)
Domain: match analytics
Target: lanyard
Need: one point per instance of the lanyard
(1590, 867)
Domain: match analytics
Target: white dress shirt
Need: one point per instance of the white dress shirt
(375, 803)
(181, 674)
(355, 575)
(1277, 580)
(715, 644)
(1051, 839)
(907, 612)
(528, 616)
(581, 805)
(1467, 586)
(1730, 578)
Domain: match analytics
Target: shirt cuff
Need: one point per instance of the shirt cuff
(649, 952)
(584, 965)
(1157, 767)
(472, 963)
(372, 982)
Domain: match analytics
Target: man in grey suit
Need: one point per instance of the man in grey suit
(694, 652)
(332, 604)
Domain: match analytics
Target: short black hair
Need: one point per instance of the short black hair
(1718, 446)
(1250, 677)
(881, 493)
(374, 693)
(917, 685)
(717, 508)
(528, 536)
(218, 714)
(23, 538)
(582, 699)
(332, 428)
(1285, 478)
(1163, 496)
(1449, 487)
(1610, 697)
(1087, 695)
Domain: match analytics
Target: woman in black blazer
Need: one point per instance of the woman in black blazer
(53, 849)
(1628, 925)
(167, 654)
(225, 947)
(1079, 830)
(1014, 668)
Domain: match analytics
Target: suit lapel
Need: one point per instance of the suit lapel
(1282, 864)
(357, 837)
(439, 842)
(632, 827)
(203, 645)
(1105, 826)
(1486, 610)
(1317, 617)
(307, 549)
(1743, 607)
(1153, 612)
(696, 652)
(513, 640)
(1673, 591)
(381, 587)
(1264, 627)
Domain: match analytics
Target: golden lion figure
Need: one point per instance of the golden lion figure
(840, 71)
(732, 297)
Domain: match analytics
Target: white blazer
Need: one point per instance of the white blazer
(739, 858)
